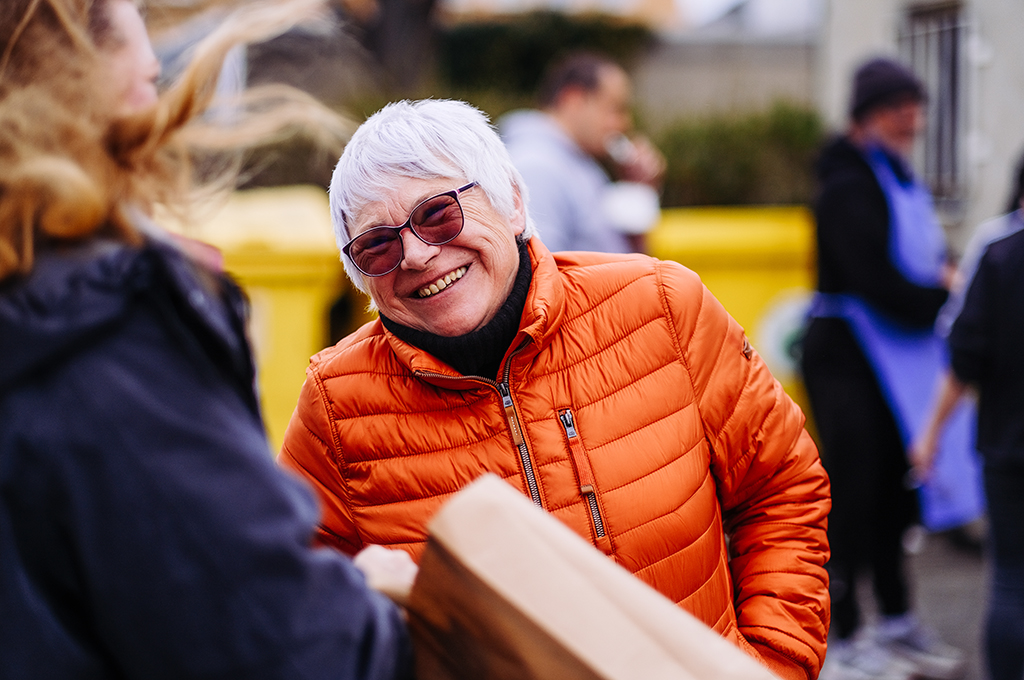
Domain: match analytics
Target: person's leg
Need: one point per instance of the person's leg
(895, 509)
(1004, 627)
(855, 433)
(825, 379)
(832, 382)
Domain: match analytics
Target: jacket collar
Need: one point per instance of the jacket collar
(545, 303)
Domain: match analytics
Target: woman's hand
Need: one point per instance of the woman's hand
(922, 456)
(647, 164)
(950, 278)
(921, 453)
(391, 572)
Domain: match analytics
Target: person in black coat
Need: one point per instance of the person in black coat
(145, 529)
(861, 445)
(985, 349)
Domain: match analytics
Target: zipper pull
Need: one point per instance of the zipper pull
(506, 395)
(580, 460)
(585, 475)
(566, 418)
(510, 414)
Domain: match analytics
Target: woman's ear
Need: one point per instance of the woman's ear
(518, 220)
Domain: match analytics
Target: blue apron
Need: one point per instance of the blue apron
(908, 363)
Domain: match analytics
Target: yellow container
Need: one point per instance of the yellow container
(758, 262)
(279, 245)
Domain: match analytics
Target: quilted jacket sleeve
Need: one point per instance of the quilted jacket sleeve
(772, 487)
(312, 450)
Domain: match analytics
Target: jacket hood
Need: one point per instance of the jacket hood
(77, 294)
(71, 295)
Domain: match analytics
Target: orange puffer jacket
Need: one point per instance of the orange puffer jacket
(631, 407)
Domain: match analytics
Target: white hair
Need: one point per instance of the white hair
(426, 139)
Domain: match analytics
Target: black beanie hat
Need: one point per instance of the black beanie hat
(880, 81)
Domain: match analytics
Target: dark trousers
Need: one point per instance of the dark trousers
(1004, 627)
(865, 458)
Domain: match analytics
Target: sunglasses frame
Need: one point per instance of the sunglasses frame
(454, 193)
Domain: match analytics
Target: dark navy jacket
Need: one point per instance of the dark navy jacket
(145, 531)
(985, 344)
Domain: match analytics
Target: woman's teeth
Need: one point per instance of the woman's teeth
(441, 283)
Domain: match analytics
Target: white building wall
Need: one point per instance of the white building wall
(852, 31)
(995, 73)
(700, 77)
(993, 61)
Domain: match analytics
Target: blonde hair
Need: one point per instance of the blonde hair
(68, 170)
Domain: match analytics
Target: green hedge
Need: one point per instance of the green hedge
(759, 158)
(753, 158)
(510, 54)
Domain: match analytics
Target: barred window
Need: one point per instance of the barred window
(931, 40)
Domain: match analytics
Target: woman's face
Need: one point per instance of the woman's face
(480, 263)
(127, 56)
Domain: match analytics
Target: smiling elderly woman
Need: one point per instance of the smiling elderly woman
(613, 390)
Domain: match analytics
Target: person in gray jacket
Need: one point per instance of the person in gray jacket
(562, 151)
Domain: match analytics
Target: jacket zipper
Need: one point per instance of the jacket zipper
(581, 461)
(519, 441)
(505, 392)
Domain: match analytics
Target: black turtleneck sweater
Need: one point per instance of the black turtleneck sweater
(478, 352)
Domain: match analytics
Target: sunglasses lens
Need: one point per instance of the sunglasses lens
(437, 220)
(377, 251)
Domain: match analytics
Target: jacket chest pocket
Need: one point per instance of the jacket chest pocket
(585, 478)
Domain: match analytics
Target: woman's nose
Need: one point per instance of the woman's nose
(150, 63)
(417, 253)
(153, 68)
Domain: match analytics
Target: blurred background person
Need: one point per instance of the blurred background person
(983, 322)
(881, 267)
(985, 350)
(563, 149)
(145, 531)
(987, 232)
